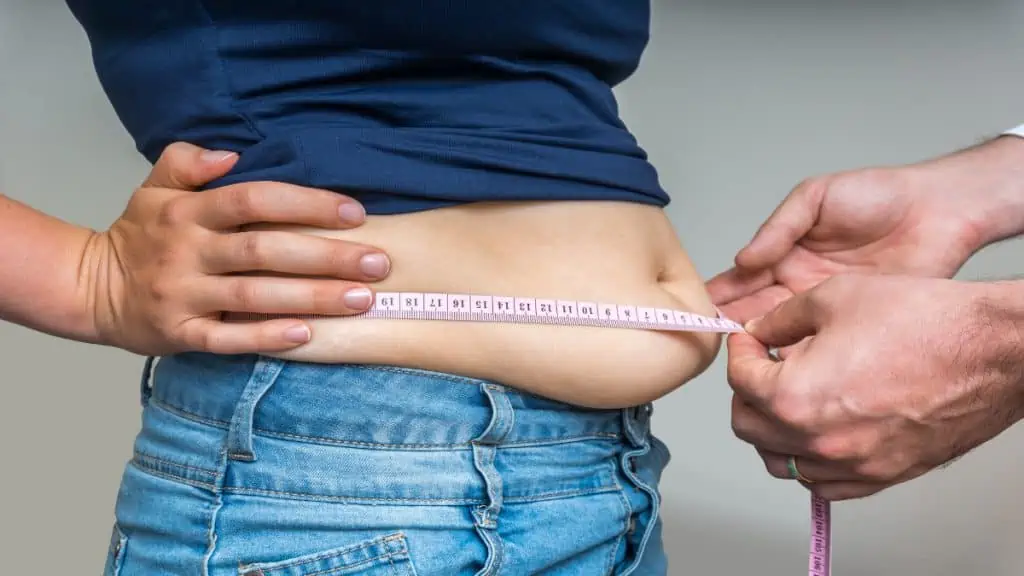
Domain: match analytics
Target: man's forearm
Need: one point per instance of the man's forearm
(999, 338)
(45, 272)
(992, 174)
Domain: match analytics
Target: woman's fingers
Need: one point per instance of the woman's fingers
(216, 337)
(288, 296)
(294, 253)
(249, 203)
(184, 166)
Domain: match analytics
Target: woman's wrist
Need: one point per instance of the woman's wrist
(47, 274)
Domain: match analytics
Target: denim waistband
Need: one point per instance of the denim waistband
(373, 440)
(360, 405)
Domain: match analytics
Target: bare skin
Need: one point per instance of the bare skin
(176, 270)
(157, 280)
(607, 252)
(888, 368)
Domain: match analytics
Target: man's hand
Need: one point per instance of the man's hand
(896, 376)
(921, 220)
(160, 277)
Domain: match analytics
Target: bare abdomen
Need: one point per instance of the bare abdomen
(593, 251)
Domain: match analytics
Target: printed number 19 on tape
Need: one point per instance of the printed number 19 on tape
(509, 309)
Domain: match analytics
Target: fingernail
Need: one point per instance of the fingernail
(358, 299)
(751, 324)
(298, 334)
(216, 156)
(352, 213)
(375, 265)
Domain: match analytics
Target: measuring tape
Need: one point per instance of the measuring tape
(504, 309)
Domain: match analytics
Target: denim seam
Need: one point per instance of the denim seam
(142, 455)
(239, 440)
(171, 477)
(182, 413)
(428, 447)
(386, 541)
(557, 495)
(358, 565)
(357, 444)
(425, 501)
(430, 374)
(348, 499)
(621, 492)
(651, 493)
(215, 512)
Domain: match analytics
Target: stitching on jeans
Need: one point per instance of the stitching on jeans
(358, 565)
(180, 412)
(621, 492)
(172, 478)
(144, 456)
(453, 501)
(465, 446)
(559, 494)
(384, 540)
(356, 499)
(428, 373)
(351, 499)
(355, 443)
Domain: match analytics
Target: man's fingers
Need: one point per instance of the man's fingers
(777, 464)
(790, 322)
(271, 202)
(737, 283)
(786, 352)
(290, 296)
(784, 228)
(751, 371)
(207, 335)
(828, 482)
(756, 304)
(183, 166)
(295, 254)
(753, 427)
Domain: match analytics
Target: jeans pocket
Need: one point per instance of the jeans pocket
(115, 552)
(386, 555)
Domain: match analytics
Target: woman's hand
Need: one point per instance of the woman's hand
(177, 258)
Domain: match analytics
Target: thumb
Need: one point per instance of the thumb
(789, 323)
(790, 222)
(183, 166)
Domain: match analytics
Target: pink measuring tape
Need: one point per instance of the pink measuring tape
(482, 308)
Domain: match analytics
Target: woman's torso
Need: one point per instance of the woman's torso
(484, 140)
(620, 253)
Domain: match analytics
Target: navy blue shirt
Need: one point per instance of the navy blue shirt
(405, 105)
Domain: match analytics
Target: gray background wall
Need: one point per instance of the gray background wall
(736, 101)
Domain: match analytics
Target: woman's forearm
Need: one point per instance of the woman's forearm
(46, 272)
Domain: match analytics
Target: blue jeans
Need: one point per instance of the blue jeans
(253, 466)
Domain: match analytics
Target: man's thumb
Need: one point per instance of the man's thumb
(790, 222)
(788, 324)
(183, 166)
